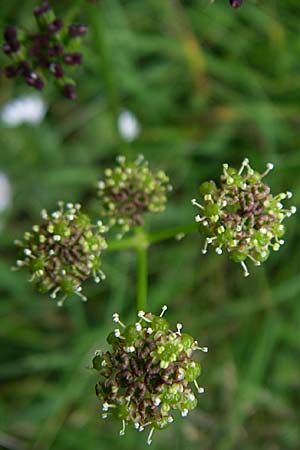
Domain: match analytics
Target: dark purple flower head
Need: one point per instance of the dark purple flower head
(77, 30)
(73, 59)
(40, 10)
(69, 91)
(10, 34)
(236, 3)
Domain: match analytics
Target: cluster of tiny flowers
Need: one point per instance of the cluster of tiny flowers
(242, 216)
(146, 376)
(131, 190)
(48, 52)
(236, 3)
(63, 252)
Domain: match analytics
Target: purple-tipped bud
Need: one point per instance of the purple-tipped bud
(77, 30)
(34, 80)
(57, 70)
(40, 10)
(10, 34)
(236, 3)
(73, 59)
(69, 91)
(10, 71)
(56, 50)
(11, 47)
(55, 26)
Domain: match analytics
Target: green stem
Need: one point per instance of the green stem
(169, 233)
(142, 278)
(157, 236)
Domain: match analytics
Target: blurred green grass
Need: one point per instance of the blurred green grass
(208, 84)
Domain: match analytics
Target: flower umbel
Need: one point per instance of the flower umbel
(242, 216)
(131, 190)
(146, 376)
(63, 252)
(49, 53)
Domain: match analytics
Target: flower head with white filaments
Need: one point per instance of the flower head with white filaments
(147, 375)
(131, 190)
(63, 252)
(242, 216)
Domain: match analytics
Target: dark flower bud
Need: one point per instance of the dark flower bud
(57, 70)
(10, 71)
(40, 10)
(10, 34)
(34, 80)
(236, 3)
(77, 30)
(6, 48)
(24, 68)
(41, 40)
(73, 59)
(55, 26)
(69, 91)
(33, 51)
(43, 61)
(14, 45)
(56, 50)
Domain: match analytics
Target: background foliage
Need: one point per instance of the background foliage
(208, 84)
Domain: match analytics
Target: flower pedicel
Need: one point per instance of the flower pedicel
(147, 375)
(242, 216)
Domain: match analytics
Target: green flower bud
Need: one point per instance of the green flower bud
(146, 376)
(242, 216)
(63, 252)
(131, 190)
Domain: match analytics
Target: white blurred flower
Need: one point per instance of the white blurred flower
(5, 192)
(25, 109)
(128, 125)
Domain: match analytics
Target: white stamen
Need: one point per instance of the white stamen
(195, 203)
(122, 432)
(157, 401)
(245, 269)
(184, 413)
(179, 328)
(163, 310)
(138, 326)
(149, 440)
(117, 332)
(200, 389)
